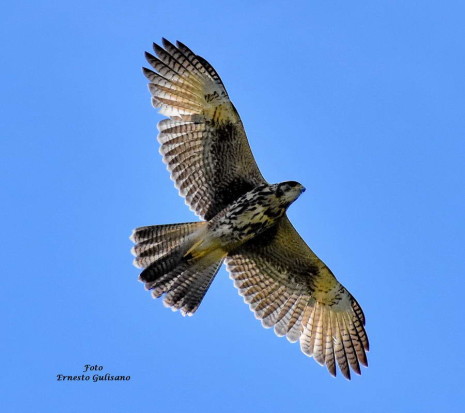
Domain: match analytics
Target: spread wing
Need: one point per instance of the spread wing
(290, 288)
(203, 143)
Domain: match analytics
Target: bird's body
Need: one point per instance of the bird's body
(245, 224)
(253, 213)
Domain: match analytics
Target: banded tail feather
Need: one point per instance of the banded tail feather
(174, 265)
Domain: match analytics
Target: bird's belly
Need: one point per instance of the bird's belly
(233, 230)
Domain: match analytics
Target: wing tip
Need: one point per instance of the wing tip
(148, 73)
(157, 48)
(149, 56)
(166, 43)
(132, 236)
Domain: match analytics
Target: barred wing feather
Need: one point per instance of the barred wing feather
(203, 143)
(289, 287)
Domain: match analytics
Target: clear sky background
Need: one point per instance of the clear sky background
(362, 102)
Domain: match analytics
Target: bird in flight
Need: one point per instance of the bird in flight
(244, 222)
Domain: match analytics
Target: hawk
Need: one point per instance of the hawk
(244, 222)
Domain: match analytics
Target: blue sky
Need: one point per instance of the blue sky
(362, 102)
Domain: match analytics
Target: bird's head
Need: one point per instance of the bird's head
(287, 192)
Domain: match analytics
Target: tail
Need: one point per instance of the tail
(171, 265)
